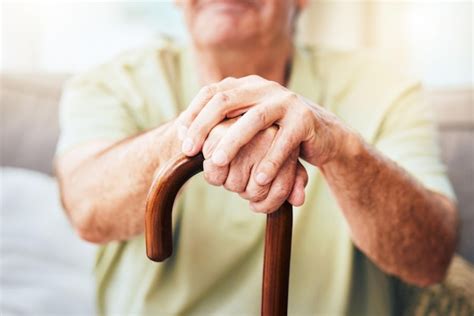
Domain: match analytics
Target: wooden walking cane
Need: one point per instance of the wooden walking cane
(159, 245)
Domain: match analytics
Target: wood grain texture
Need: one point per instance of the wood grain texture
(160, 200)
(159, 241)
(276, 262)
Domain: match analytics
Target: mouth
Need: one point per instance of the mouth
(228, 6)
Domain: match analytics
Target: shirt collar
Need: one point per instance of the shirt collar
(303, 78)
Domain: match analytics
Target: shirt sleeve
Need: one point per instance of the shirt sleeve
(408, 135)
(91, 109)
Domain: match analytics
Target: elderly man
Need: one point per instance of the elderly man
(342, 136)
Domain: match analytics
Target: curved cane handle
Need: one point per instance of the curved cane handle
(158, 231)
(160, 200)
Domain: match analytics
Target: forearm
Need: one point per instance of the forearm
(105, 194)
(403, 227)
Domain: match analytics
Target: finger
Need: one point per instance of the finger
(280, 189)
(244, 130)
(201, 99)
(208, 148)
(253, 152)
(215, 136)
(239, 173)
(297, 195)
(213, 174)
(207, 92)
(213, 113)
(210, 144)
(254, 192)
(286, 141)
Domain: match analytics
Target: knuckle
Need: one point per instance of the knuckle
(183, 117)
(289, 141)
(306, 116)
(258, 194)
(268, 134)
(208, 90)
(305, 112)
(291, 97)
(228, 80)
(258, 208)
(269, 207)
(211, 175)
(261, 115)
(234, 185)
(290, 107)
(271, 164)
(253, 77)
(244, 195)
(218, 179)
(281, 193)
(274, 84)
(222, 97)
(211, 178)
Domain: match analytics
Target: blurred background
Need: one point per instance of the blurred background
(45, 42)
(432, 38)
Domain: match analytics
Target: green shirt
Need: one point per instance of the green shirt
(216, 268)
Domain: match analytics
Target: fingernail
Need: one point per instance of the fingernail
(182, 130)
(262, 178)
(219, 158)
(187, 146)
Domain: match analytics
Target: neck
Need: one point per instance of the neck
(268, 62)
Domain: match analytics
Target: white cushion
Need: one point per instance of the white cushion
(45, 268)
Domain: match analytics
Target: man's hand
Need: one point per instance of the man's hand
(403, 227)
(318, 134)
(237, 176)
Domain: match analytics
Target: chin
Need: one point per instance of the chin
(223, 38)
(224, 30)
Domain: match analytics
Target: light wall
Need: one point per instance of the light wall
(432, 39)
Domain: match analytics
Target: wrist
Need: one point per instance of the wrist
(347, 157)
(352, 146)
(163, 142)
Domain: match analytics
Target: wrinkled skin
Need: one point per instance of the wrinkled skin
(402, 226)
(239, 175)
(256, 29)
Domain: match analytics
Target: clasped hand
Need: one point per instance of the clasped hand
(252, 132)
